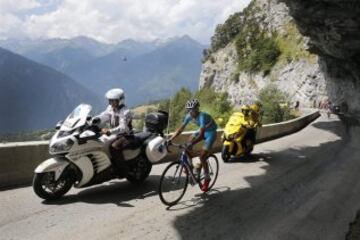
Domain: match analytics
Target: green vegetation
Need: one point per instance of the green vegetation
(232, 27)
(258, 49)
(235, 76)
(275, 105)
(27, 136)
(258, 55)
(216, 104)
(224, 33)
(292, 45)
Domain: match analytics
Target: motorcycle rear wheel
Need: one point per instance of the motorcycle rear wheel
(47, 188)
(139, 172)
(249, 147)
(225, 154)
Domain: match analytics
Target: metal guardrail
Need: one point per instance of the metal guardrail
(19, 159)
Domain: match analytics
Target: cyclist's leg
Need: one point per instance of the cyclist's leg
(189, 151)
(203, 155)
(209, 140)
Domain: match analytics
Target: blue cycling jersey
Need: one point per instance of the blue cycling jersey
(203, 120)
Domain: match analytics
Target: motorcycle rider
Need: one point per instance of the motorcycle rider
(207, 132)
(119, 118)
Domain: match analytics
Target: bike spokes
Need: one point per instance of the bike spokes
(173, 184)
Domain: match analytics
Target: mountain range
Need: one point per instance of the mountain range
(41, 81)
(145, 70)
(34, 96)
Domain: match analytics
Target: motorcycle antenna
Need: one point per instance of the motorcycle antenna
(168, 124)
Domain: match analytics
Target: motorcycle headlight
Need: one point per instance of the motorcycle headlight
(62, 146)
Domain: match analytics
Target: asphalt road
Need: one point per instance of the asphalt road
(303, 186)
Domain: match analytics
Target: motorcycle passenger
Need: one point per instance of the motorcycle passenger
(250, 126)
(206, 132)
(119, 118)
(255, 113)
(245, 109)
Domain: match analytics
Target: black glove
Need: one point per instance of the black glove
(188, 145)
(95, 121)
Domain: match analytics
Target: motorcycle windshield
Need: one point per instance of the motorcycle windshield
(76, 118)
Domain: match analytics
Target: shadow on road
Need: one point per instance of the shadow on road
(198, 199)
(350, 123)
(294, 199)
(117, 192)
(248, 159)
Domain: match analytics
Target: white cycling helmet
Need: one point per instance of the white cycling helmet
(116, 94)
(192, 104)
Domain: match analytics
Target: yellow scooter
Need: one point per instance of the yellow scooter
(240, 133)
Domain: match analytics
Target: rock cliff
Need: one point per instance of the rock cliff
(333, 27)
(318, 53)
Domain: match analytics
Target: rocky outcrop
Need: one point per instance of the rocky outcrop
(333, 27)
(329, 31)
(301, 78)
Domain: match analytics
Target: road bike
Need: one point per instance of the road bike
(176, 176)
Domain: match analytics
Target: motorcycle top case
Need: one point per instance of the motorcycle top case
(156, 122)
(156, 150)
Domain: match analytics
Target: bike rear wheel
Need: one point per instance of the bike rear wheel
(173, 183)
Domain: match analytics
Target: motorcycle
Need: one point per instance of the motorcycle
(240, 134)
(81, 155)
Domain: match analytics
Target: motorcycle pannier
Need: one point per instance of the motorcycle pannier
(156, 150)
(156, 122)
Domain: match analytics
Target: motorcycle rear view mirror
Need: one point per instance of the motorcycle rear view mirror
(58, 125)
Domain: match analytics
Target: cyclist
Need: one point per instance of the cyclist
(206, 132)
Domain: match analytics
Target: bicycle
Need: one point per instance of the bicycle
(173, 186)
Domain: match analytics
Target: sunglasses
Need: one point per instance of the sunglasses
(191, 110)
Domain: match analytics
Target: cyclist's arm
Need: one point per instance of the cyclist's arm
(178, 132)
(187, 119)
(199, 137)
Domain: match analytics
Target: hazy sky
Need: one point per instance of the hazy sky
(114, 20)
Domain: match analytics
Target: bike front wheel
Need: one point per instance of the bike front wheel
(173, 183)
(213, 164)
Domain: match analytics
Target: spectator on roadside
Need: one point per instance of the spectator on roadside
(297, 105)
(328, 108)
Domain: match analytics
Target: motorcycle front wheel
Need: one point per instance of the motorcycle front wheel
(47, 188)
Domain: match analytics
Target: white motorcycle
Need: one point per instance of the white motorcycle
(81, 155)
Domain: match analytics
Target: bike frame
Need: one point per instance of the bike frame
(184, 161)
